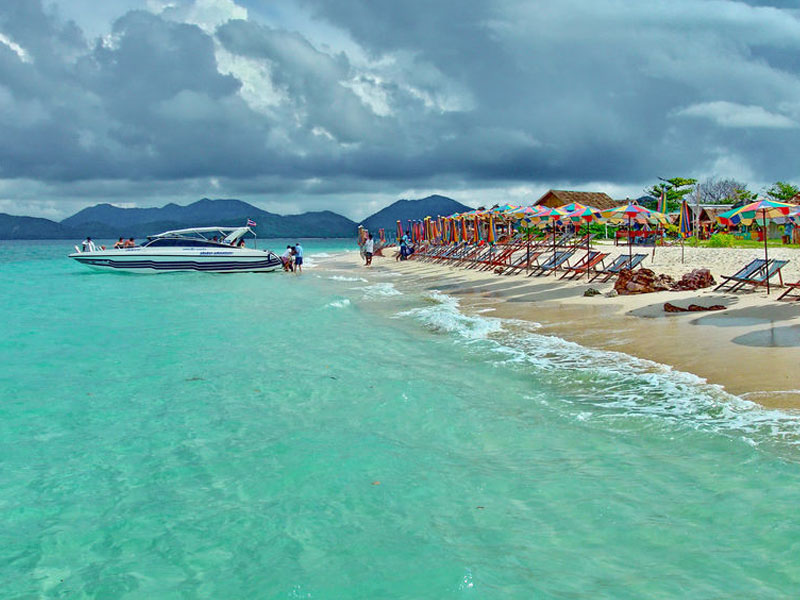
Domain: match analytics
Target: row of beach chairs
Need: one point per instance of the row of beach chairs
(569, 256)
(563, 253)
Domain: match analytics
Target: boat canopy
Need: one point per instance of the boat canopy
(229, 233)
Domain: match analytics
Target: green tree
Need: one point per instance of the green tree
(675, 189)
(782, 191)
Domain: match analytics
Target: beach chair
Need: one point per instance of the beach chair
(481, 258)
(623, 261)
(523, 262)
(496, 257)
(792, 291)
(587, 263)
(745, 272)
(552, 263)
(502, 256)
(762, 276)
(450, 252)
(583, 242)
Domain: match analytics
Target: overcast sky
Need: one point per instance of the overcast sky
(296, 105)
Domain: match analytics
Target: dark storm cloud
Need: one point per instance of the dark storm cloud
(472, 93)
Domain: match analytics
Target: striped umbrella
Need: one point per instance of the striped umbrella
(490, 233)
(399, 231)
(766, 209)
(685, 221)
(577, 212)
(662, 201)
(464, 229)
(548, 216)
(634, 212)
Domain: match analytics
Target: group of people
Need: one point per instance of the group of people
(292, 258)
(88, 244)
(121, 243)
(406, 247)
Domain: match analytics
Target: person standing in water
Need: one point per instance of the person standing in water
(298, 258)
(369, 247)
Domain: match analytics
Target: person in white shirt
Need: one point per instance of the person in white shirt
(88, 245)
(369, 247)
(286, 258)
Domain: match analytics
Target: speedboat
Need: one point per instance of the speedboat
(211, 249)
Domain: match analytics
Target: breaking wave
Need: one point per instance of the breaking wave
(380, 290)
(339, 303)
(605, 384)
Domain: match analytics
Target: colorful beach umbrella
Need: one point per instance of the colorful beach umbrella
(763, 209)
(577, 212)
(546, 215)
(634, 212)
(490, 233)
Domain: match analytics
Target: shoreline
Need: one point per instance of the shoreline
(751, 349)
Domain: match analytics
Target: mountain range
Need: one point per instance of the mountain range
(404, 210)
(106, 221)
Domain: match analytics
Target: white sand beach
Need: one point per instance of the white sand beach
(752, 348)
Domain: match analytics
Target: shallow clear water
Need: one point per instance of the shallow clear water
(343, 435)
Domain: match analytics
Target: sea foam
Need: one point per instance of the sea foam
(613, 385)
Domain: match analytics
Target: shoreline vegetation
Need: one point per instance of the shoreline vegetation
(751, 349)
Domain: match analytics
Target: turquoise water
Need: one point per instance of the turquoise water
(344, 435)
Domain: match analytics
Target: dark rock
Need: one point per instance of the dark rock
(671, 308)
(642, 281)
(696, 280)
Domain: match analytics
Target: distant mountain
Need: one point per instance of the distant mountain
(31, 228)
(105, 221)
(108, 221)
(404, 210)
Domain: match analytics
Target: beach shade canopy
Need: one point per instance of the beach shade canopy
(490, 234)
(761, 211)
(548, 216)
(684, 222)
(634, 212)
(577, 212)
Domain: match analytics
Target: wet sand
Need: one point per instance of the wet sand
(752, 348)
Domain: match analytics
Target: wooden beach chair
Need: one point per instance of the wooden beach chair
(792, 291)
(761, 276)
(523, 262)
(744, 273)
(587, 263)
(450, 252)
(552, 263)
(623, 261)
(502, 256)
(481, 258)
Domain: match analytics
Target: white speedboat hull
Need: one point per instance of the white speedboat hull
(167, 260)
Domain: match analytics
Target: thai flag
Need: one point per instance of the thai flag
(251, 223)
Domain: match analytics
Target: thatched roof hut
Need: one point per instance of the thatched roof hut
(556, 198)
